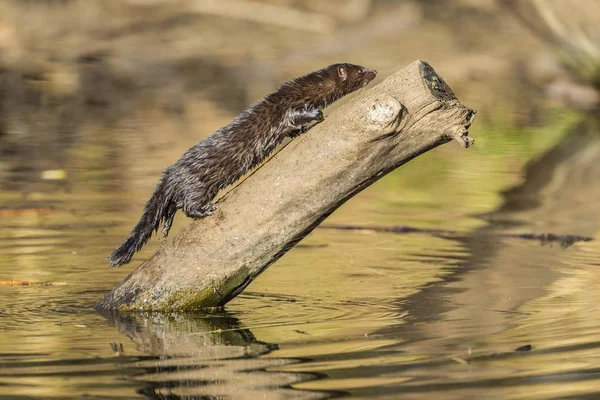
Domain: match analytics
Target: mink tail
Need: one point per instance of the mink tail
(154, 212)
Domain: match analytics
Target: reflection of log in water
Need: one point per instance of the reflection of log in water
(201, 356)
(568, 171)
(499, 276)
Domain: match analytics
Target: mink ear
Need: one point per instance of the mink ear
(342, 73)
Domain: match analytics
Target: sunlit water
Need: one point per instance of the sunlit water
(356, 313)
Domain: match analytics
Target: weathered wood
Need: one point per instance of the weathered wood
(212, 260)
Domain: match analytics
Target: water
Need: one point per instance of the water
(95, 101)
(436, 313)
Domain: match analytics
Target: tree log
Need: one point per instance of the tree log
(212, 260)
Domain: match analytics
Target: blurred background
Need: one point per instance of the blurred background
(98, 97)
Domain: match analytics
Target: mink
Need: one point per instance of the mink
(192, 182)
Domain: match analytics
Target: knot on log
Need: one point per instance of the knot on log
(385, 111)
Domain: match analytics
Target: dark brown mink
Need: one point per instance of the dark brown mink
(219, 160)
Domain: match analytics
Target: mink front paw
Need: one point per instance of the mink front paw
(319, 117)
(298, 131)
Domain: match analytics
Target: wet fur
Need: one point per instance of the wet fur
(221, 159)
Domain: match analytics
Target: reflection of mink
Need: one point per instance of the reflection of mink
(194, 180)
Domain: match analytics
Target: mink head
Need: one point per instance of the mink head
(323, 87)
(350, 77)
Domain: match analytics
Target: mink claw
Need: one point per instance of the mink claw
(209, 209)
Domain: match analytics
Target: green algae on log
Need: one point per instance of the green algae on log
(214, 259)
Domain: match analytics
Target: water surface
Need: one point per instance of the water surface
(436, 313)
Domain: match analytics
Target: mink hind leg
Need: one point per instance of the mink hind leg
(199, 210)
(198, 205)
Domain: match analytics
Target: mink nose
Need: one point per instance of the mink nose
(370, 71)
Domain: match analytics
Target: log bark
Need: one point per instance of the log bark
(212, 260)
